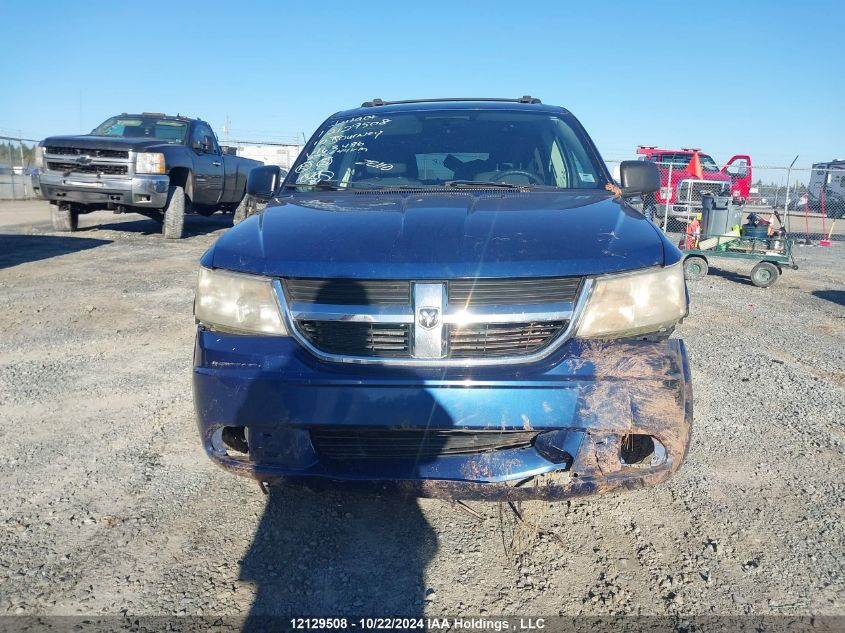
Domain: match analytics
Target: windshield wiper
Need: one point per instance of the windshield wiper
(481, 184)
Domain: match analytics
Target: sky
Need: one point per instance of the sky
(756, 77)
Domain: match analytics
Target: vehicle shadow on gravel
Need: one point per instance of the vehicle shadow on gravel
(330, 555)
(18, 249)
(347, 552)
(731, 275)
(834, 296)
(194, 225)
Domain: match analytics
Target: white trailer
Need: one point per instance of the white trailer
(281, 154)
(828, 179)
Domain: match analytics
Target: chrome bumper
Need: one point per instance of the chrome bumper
(137, 191)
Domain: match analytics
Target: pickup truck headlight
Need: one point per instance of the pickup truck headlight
(149, 163)
(38, 157)
(635, 303)
(238, 303)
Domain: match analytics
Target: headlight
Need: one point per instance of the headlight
(635, 303)
(149, 163)
(38, 157)
(234, 302)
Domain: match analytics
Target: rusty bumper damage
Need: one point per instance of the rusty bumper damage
(591, 401)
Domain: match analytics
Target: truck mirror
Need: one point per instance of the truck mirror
(638, 177)
(197, 145)
(262, 182)
(207, 144)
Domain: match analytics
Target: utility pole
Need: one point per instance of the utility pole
(23, 170)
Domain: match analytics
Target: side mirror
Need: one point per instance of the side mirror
(207, 144)
(262, 182)
(638, 177)
(197, 145)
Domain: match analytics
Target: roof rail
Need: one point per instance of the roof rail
(690, 149)
(379, 102)
(153, 114)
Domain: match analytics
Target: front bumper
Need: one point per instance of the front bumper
(582, 401)
(138, 191)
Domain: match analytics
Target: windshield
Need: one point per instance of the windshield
(149, 127)
(682, 160)
(449, 148)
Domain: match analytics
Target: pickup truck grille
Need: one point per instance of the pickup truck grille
(112, 169)
(84, 151)
(692, 190)
(412, 444)
(463, 321)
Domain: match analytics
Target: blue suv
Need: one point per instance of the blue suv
(446, 298)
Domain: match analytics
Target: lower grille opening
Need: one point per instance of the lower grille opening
(413, 444)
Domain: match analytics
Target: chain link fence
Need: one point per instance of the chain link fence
(16, 167)
(809, 203)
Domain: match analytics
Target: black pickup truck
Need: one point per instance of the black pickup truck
(153, 164)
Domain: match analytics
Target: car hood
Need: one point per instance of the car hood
(88, 141)
(442, 235)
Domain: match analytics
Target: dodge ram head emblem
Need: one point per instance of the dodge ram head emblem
(428, 317)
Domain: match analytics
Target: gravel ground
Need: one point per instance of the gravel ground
(109, 506)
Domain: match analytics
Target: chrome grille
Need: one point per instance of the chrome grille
(413, 444)
(462, 322)
(85, 151)
(114, 169)
(358, 339)
(692, 190)
(501, 339)
(469, 292)
(348, 291)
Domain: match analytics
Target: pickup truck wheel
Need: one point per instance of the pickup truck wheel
(245, 209)
(174, 214)
(64, 218)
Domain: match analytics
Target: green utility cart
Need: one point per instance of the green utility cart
(772, 255)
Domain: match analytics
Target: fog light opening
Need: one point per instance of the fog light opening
(643, 451)
(234, 438)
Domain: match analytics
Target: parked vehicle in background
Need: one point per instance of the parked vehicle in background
(153, 164)
(756, 199)
(737, 174)
(826, 189)
(446, 298)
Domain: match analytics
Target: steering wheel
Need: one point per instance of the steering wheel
(532, 178)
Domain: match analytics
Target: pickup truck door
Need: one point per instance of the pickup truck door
(739, 169)
(208, 166)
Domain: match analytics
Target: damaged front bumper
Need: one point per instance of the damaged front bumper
(601, 417)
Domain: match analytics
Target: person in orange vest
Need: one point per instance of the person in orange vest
(693, 232)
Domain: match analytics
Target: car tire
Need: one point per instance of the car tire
(64, 218)
(174, 214)
(695, 268)
(764, 274)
